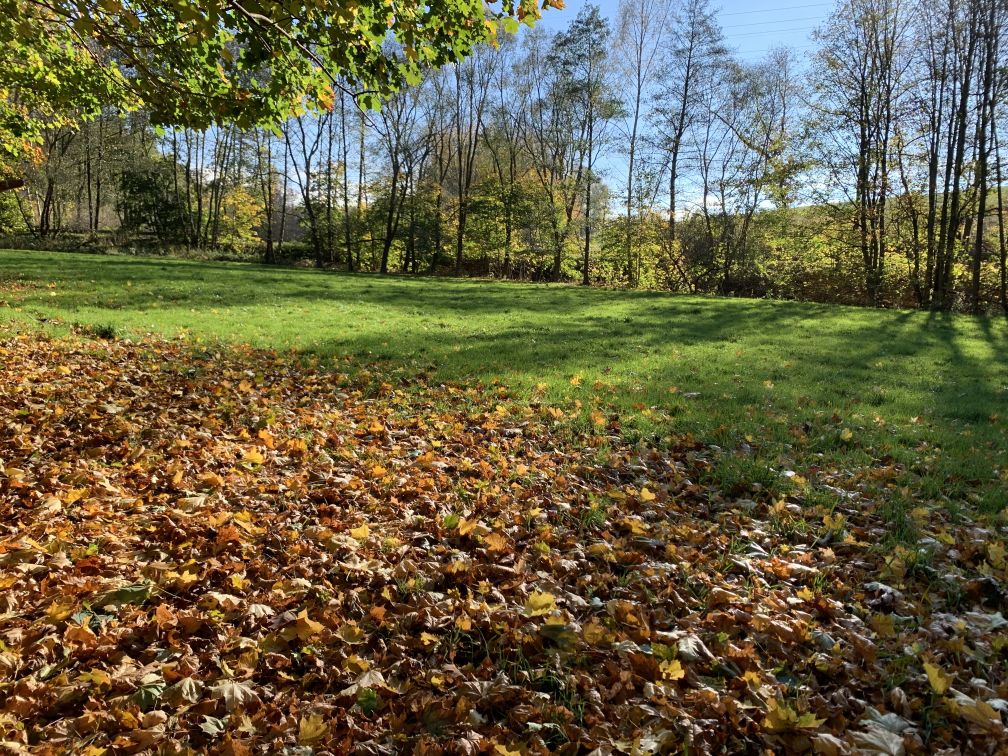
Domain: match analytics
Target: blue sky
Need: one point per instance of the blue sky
(751, 27)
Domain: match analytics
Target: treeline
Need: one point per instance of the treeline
(634, 152)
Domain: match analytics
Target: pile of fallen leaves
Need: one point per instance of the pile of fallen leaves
(229, 550)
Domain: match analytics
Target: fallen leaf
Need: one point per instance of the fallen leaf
(939, 681)
(312, 729)
(235, 695)
(672, 670)
(539, 603)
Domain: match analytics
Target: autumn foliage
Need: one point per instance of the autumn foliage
(228, 550)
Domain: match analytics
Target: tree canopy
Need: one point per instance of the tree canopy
(196, 62)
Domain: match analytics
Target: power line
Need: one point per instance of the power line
(772, 10)
(770, 45)
(763, 48)
(730, 37)
(756, 53)
(774, 21)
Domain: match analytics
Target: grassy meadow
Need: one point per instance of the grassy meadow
(918, 399)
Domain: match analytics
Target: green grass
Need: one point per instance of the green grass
(774, 384)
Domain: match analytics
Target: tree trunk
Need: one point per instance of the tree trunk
(390, 218)
(1002, 241)
(986, 116)
(585, 279)
(347, 229)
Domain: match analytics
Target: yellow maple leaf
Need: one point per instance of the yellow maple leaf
(253, 457)
(996, 553)
(496, 542)
(940, 681)
(540, 603)
(594, 633)
(883, 624)
(975, 711)
(672, 670)
(637, 526)
(429, 639)
(312, 729)
(96, 677)
(350, 633)
(782, 718)
(61, 609)
(575, 380)
(184, 580)
(303, 627)
(210, 480)
(297, 446)
(834, 522)
(360, 533)
(356, 664)
(74, 494)
(646, 495)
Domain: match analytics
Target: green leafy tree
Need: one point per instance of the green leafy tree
(147, 204)
(246, 62)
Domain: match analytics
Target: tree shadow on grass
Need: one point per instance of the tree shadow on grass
(494, 328)
(974, 387)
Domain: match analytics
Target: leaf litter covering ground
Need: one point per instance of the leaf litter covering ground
(227, 550)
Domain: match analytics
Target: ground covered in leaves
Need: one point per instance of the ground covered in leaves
(229, 550)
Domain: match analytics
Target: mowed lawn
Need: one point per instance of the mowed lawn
(919, 398)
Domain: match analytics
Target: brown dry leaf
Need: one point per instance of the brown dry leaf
(235, 695)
